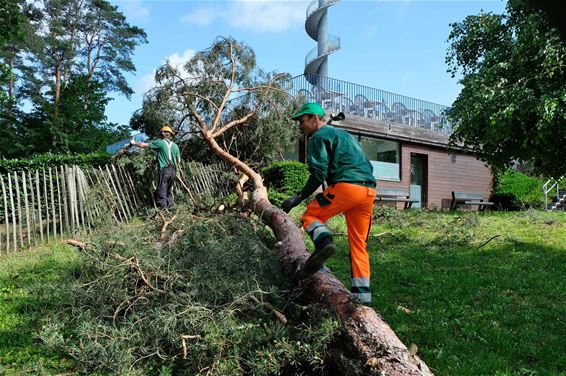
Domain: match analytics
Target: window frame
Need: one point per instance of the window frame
(400, 156)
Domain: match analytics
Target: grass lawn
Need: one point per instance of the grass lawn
(478, 293)
(42, 269)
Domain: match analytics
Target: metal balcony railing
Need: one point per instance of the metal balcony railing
(548, 187)
(342, 96)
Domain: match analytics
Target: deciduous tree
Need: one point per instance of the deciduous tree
(512, 106)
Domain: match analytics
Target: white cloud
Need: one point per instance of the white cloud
(274, 16)
(260, 16)
(135, 11)
(176, 60)
(145, 83)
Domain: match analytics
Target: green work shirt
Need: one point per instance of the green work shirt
(334, 155)
(163, 156)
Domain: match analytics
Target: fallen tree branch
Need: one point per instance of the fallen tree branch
(133, 263)
(278, 315)
(83, 247)
(114, 243)
(378, 349)
(490, 239)
(175, 237)
(184, 339)
(185, 187)
(78, 244)
(121, 152)
(166, 223)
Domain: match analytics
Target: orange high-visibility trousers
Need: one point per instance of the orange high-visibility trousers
(356, 202)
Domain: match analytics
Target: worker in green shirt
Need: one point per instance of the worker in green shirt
(168, 157)
(334, 156)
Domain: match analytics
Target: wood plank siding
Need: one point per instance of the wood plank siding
(446, 172)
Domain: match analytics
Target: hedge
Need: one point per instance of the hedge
(50, 160)
(283, 179)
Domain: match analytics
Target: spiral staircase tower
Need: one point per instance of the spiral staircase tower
(316, 26)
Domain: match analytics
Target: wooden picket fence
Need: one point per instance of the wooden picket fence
(55, 202)
(50, 203)
(207, 179)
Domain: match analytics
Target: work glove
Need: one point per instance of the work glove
(290, 203)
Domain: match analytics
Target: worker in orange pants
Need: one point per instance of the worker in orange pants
(356, 202)
(335, 157)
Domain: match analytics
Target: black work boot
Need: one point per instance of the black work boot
(324, 250)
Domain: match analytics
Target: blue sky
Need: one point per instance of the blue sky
(397, 46)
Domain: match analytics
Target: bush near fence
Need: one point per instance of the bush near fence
(40, 161)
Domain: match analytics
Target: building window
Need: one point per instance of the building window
(385, 156)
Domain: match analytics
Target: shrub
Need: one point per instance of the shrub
(516, 191)
(284, 179)
(49, 160)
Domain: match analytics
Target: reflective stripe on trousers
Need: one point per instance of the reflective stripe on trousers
(361, 290)
(317, 231)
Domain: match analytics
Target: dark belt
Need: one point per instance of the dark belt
(370, 184)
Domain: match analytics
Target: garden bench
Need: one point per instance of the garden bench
(394, 195)
(468, 198)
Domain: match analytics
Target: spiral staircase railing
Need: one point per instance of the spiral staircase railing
(315, 25)
(333, 45)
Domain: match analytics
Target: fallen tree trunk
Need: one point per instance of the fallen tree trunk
(377, 349)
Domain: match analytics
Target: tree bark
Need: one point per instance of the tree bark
(376, 349)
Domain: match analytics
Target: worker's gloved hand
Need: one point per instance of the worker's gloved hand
(290, 203)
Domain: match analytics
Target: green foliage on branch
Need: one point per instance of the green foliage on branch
(11, 20)
(53, 160)
(201, 305)
(284, 179)
(227, 98)
(517, 191)
(512, 106)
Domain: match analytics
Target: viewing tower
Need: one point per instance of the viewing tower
(316, 25)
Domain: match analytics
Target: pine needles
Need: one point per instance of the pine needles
(211, 303)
